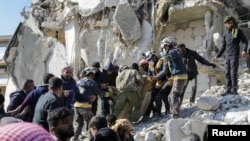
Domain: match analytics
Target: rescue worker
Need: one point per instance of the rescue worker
(152, 61)
(178, 75)
(83, 105)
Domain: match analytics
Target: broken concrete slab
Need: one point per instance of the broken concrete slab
(177, 129)
(127, 22)
(87, 8)
(208, 103)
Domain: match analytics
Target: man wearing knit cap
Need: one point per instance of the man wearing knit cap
(107, 79)
(231, 44)
(97, 77)
(70, 88)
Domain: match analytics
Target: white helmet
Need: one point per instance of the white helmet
(167, 41)
(88, 71)
(149, 54)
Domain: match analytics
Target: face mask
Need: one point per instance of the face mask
(151, 62)
(163, 53)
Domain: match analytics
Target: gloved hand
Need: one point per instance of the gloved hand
(213, 65)
(107, 94)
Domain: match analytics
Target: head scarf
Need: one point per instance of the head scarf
(24, 131)
(68, 68)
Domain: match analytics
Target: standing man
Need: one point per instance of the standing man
(48, 102)
(89, 90)
(70, 88)
(189, 58)
(231, 41)
(107, 79)
(178, 75)
(97, 77)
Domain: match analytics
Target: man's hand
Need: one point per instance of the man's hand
(92, 98)
(215, 59)
(14, 112)
(25, 111)
(154, 78)
(104, 85)
(244, 54)
(213, 65)
(66, 92)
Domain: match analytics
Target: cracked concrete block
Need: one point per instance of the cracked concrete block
(196, 23)
(175, 129)
(171, 27)
(237, 115)
(198, 41)
(180, 39)
(111, 3)
(208, 103)
(188, 41)
(146, 37)
(87, 8)
(199, 31)
(127, 22)
(170, 34)
(188, 32)
(180, 33)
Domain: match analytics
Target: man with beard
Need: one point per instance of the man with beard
(70, 88)
(48, 102)
(231, 46)
(61, 124)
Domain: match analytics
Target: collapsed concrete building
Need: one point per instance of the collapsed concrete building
(78, 32)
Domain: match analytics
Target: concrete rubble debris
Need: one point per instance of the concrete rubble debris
(79, 32)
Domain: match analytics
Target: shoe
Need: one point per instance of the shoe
(234, 93)
(226, 93)
(175, 116)
(75, 138)
(145, 119)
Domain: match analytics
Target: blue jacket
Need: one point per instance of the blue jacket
(45, 104)
(190, 58)
(70, 99)
(174, 56)
(16, 99)
(32, 99)
(87, 88)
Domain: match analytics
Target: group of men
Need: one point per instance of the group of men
(177, 66)
(119, 88)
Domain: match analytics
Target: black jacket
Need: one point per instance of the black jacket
(190, 58)
(45, 104)
(232, 45)
(106, 134)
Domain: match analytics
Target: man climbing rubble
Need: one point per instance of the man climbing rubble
(189, 58)
(178, 75)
